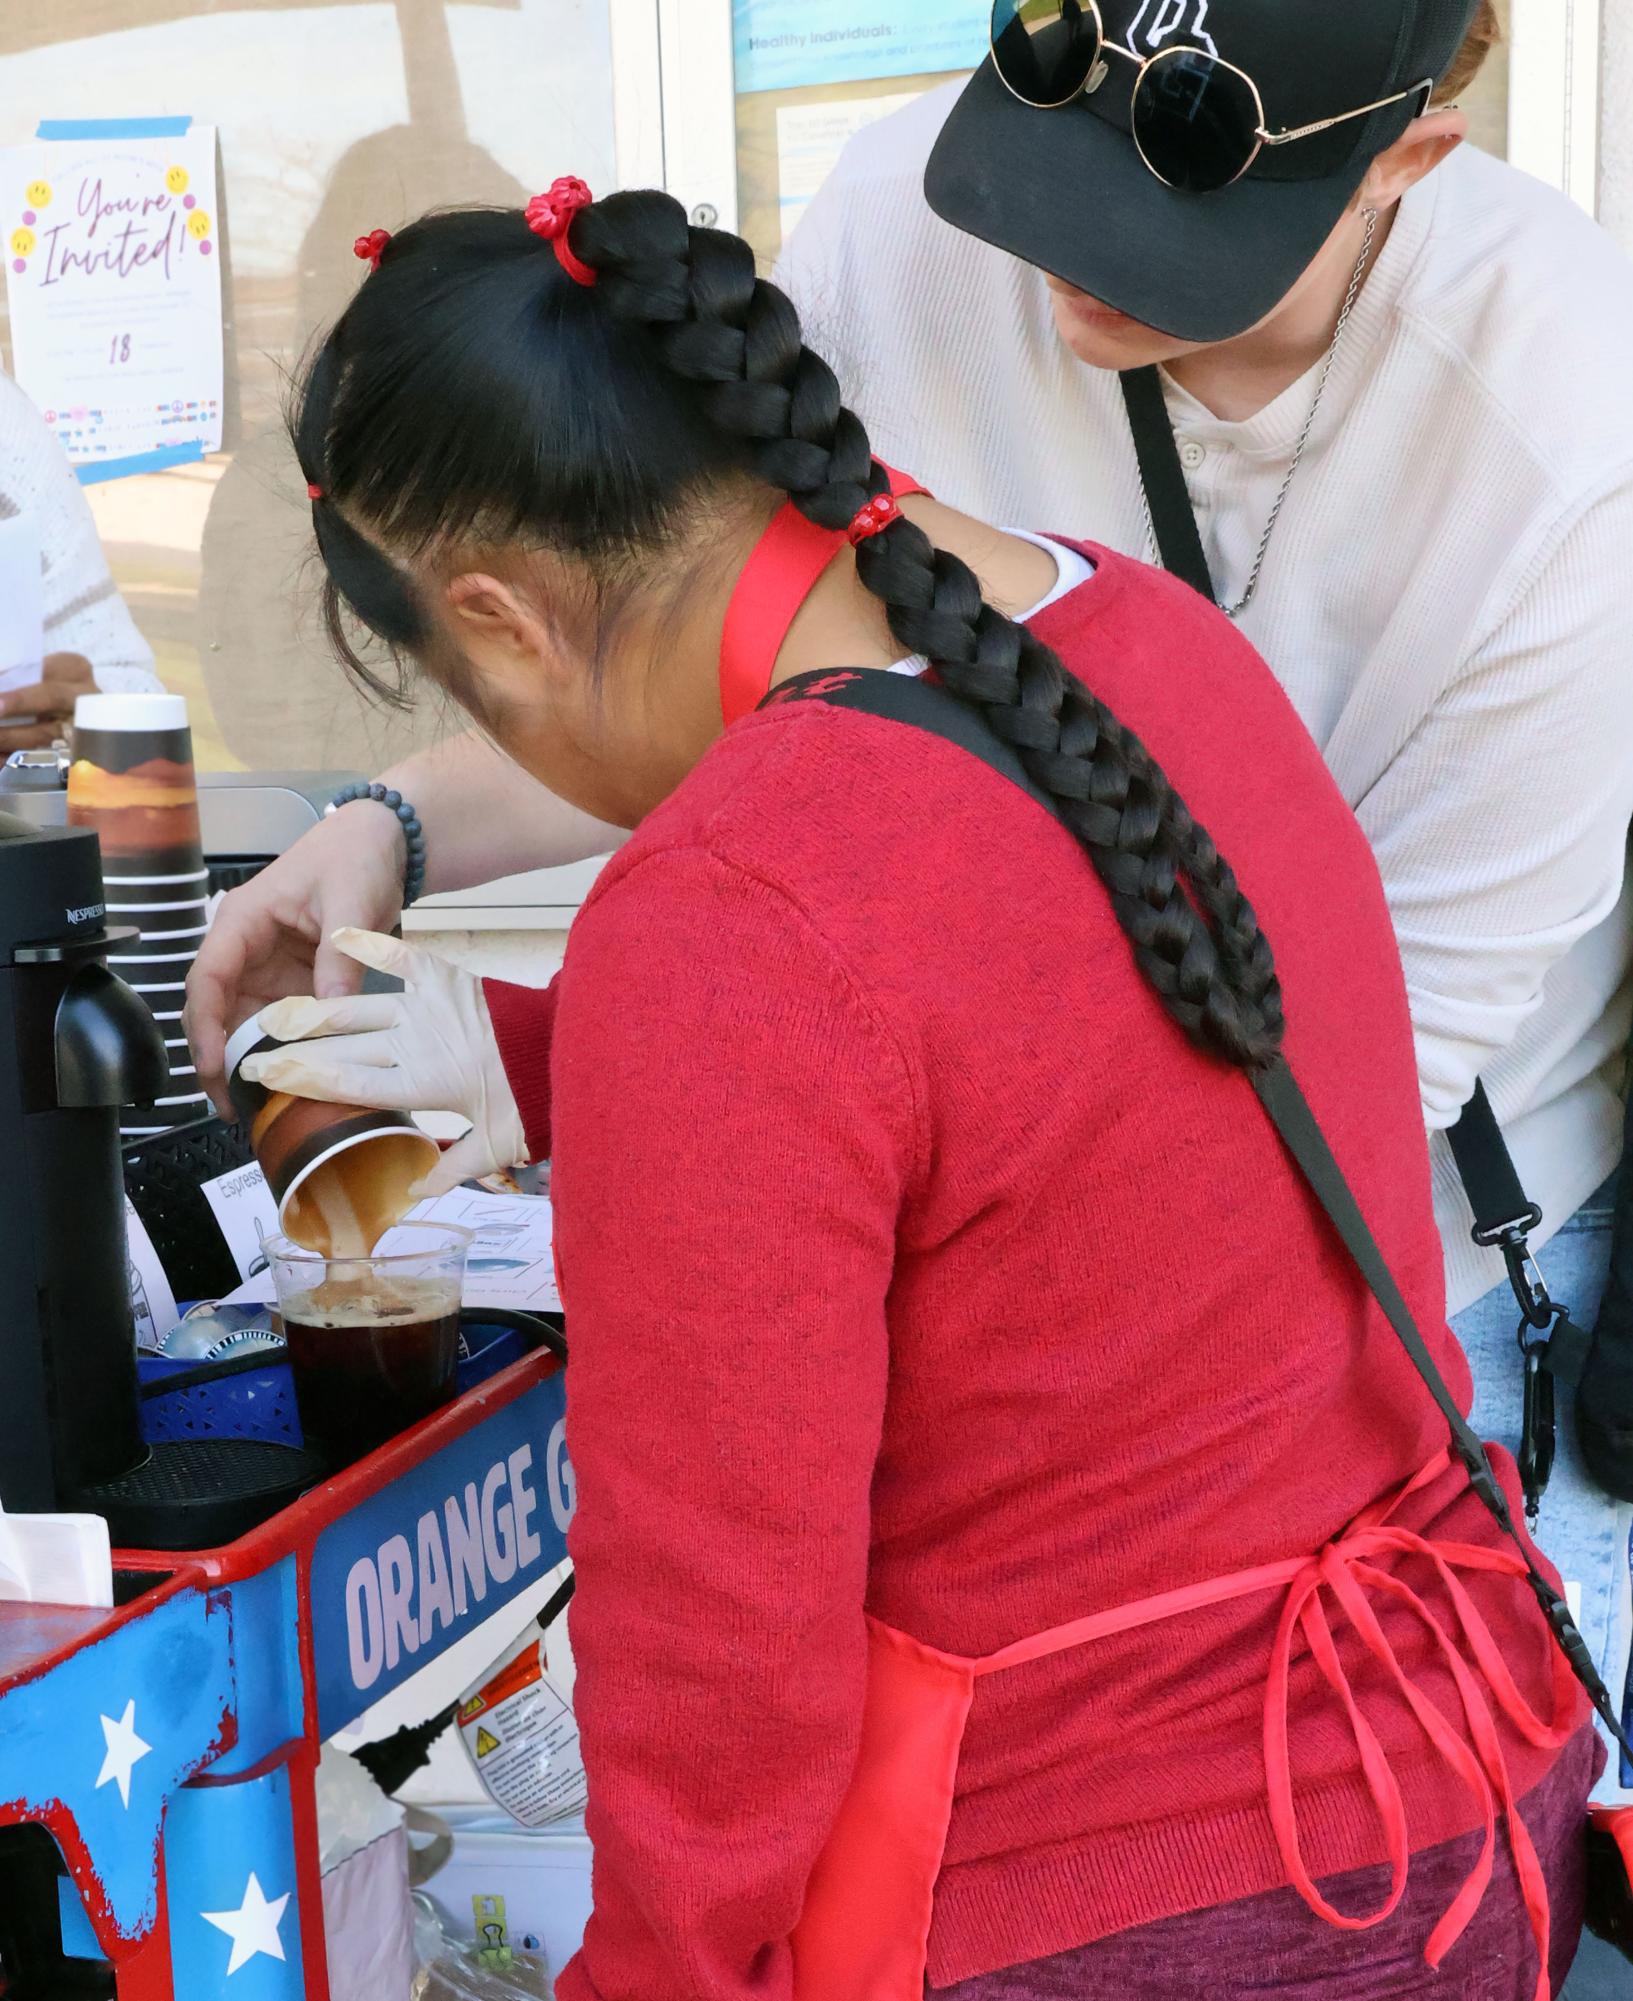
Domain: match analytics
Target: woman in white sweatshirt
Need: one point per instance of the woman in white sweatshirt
(91, 640)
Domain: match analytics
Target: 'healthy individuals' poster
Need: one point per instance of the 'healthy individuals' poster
(784, 44)
(113, 277)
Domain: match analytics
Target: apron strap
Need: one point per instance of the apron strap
(780, 574)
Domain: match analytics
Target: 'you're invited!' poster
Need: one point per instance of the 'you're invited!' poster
(111, 236)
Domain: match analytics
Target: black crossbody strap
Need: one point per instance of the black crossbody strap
(1290, 1114)
(904, 698)
(1487, 1169)
(921, 704)
(1278, 1091)
(1173, 521)
(1484, 1164)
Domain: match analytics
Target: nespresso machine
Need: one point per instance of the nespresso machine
(75, 1044)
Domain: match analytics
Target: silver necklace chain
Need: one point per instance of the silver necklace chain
(1235, 610)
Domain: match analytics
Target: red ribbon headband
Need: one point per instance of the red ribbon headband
(550, 215)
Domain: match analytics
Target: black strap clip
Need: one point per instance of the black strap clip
(1530, 1291)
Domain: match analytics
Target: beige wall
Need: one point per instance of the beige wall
(335, 117)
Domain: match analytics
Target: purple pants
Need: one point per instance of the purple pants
(1274, 1945)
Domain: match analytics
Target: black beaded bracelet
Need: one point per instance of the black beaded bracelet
(413, 832)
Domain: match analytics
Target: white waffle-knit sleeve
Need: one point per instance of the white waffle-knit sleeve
(1501, 825)
(84, 612)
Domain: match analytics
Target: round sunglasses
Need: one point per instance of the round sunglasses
(1197, 121)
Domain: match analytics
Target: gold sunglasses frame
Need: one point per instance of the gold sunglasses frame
(1262, 137)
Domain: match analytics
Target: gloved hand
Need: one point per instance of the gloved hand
(430, 1048)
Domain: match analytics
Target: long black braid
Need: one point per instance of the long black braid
(750, 395)
(719, 325)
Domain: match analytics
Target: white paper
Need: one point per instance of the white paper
(242, 1205)
(113, 276)
(22, 602)
(55, 1559)
(810, 139)
(353, 1813)
(151, 1301)
(510, 1261)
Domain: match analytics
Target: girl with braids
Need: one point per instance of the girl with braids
(934, 1277)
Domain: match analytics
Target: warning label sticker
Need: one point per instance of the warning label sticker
(522, 1737)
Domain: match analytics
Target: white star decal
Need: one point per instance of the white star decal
(125, 1748)
(253, 1927)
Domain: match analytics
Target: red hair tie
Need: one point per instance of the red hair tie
(314, 491)
(371, 248)
(873, 516)
(550, 215)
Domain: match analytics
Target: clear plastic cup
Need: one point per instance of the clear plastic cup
(373, 1341)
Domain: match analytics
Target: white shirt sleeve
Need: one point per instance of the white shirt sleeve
(817, 268)
(84, 612)
(1501, 825)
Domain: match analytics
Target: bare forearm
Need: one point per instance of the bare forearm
(484, 816)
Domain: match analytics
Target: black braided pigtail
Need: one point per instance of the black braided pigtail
(736, 340)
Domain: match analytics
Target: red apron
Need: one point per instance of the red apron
(864, 1932)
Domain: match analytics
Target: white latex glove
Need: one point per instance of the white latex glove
(430, 1048)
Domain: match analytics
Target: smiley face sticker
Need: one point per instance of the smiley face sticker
(176, 180)
(38, 194)
(22, 243)
(198, 225)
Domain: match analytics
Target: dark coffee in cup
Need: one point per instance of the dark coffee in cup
(370, 1356)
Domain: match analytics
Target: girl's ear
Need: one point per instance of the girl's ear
(488, 614)
(515, 657)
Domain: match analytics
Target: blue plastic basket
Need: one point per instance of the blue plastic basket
(254, 1397)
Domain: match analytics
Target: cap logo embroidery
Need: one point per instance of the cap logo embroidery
(1186, 18)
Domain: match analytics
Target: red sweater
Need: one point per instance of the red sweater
(914, 1258)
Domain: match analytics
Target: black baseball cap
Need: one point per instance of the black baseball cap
(1067, 191)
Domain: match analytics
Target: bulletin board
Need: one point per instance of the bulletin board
(333, 119)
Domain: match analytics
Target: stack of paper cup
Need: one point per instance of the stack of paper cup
(132, 781)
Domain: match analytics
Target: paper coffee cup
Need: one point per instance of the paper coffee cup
(132, 782)
(341, 1175)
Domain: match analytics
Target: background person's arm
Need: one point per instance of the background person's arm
(483, 817)
(1501, 826)
(91, 640)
